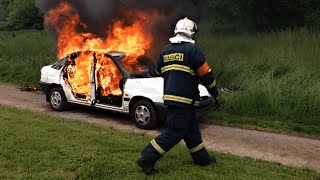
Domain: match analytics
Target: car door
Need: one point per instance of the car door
(108, 78)
(79, 75)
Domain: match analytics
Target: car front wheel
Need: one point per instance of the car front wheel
(144, 115)
(58, 100)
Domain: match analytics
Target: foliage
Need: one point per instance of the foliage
(4, 11)
(224, 15)
(20, 14)
(265, 15)
(41, 147)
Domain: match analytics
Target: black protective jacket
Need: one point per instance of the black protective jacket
(183, 66)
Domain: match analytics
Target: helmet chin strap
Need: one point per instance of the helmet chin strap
(179, 38)
(183, 34)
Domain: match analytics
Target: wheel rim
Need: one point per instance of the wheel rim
(56, 99)
(142, 115)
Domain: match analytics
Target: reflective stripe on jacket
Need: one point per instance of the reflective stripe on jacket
(182, 65)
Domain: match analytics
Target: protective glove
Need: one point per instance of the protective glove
(214, 92)
(217, 103)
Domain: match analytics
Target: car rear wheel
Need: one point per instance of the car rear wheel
(58, 100)
(144, 115)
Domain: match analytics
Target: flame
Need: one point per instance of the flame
(132, 40)
(79, 74)
(107, 74)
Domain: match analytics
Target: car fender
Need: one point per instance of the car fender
(50, 75)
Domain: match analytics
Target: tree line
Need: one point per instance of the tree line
(263, 15)
(20, 14)
(223, 15)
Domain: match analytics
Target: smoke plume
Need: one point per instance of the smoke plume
(97, 15)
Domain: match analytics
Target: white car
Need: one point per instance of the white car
(110, 81)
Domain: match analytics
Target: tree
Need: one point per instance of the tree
(264, 15)
(20, 14)
(4, 11)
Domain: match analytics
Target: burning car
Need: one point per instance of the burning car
(109, 81)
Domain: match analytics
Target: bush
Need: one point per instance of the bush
(20, 14)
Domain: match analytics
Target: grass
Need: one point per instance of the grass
(34, 146)
(22, 54)
(278, 74)
(269, 124)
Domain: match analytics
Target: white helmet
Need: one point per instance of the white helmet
(186, 27)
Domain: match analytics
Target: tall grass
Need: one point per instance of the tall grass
(278, 73)
(22, 54)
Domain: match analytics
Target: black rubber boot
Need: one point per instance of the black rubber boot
(202, 158)
(208, 161)
(146, 165)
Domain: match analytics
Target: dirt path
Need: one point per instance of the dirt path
(288, 150)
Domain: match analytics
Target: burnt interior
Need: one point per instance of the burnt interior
(109, 99)
(102, 95)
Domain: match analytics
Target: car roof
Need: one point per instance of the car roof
(110, 53)
(116, 53)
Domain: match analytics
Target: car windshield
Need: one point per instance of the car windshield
(59, 64)
(138, 66)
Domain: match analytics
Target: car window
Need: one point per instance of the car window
(137, 65)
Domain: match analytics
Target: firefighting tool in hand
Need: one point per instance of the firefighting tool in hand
(231, 90)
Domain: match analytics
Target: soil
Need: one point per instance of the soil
(285, 149)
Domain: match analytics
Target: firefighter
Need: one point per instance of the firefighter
(183, 65)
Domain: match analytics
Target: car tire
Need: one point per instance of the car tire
(144, 115)
(57, 99)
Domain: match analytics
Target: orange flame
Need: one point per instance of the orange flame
(79, 74)
(107, 75)
(129, 39)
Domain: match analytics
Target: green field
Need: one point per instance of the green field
(34, 146)
(278, 74)
(279, 78)
(22, 54)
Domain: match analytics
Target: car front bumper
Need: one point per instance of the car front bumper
(44, 87)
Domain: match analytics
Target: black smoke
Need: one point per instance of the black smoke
(98, 14)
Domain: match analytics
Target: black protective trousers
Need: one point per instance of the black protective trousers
(181, 124)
